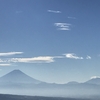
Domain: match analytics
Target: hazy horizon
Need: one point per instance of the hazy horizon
(42, 80)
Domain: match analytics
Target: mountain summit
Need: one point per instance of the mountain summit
(17, 76)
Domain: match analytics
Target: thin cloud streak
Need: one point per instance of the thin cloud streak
(88, 57)
(59, 57)
(72, 56)
(62, 26)
(71, 17)
(53, 11)
(10, 53)
(40, 59)
(5, 64)
(1, 61)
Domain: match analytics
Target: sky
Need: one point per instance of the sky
(55, 41)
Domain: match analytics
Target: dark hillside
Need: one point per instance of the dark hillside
(17, 97)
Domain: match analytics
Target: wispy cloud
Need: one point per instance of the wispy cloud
(58, 57)
(40, 59)
(72, 56)
(71, 17)
(53, 11)
(10, 53)
(62, 26)
(88, 57)
(5, 64)
(1, 61)
(93, 77)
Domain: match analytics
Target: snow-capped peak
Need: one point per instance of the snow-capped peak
(94, 77)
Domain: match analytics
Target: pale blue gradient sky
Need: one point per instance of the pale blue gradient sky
(53, 38)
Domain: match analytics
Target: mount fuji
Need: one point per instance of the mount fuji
(17, 76)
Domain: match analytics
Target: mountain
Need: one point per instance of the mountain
(17, 76)
(72, 82)
(17, 82)
(94, 81)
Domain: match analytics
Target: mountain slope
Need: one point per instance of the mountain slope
(94, 81)
(17, 76)
(72, 82)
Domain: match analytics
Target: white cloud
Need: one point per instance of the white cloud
(88, 57)
(62, 26)
(53, 11)
(10, 53)
(72, 56)
(5, 64)
(93, 77)
(40, 59)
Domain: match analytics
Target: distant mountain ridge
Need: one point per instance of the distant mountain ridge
(73, 82)
(17, 82)
(17, 76)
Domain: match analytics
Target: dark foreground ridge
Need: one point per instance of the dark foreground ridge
(20, 97)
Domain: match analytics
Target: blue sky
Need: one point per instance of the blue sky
(50, 40)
